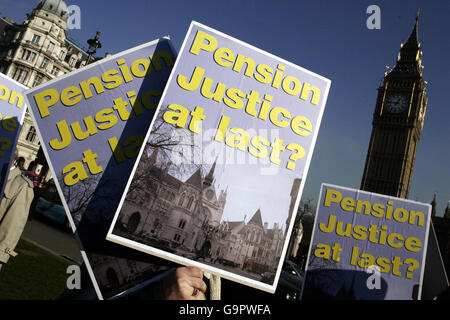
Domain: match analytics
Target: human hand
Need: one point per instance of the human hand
(184, 283)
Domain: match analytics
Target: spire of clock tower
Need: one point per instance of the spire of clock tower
(413, 40)
(409, 59)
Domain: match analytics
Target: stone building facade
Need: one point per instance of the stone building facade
(161, 207)
(185, 218)
(32, 53)
(252, 245)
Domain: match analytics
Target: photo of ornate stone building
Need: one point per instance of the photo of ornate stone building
(252, 245)
(186, 218)
(193, 205)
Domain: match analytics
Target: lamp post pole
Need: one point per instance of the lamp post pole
(94, 44)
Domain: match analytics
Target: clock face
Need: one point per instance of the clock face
(396, 103)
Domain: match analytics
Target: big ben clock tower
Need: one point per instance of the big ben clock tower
(397, 123)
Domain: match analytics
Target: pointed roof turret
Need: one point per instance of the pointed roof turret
(447, 211)
(196, 179)
(409, 62)
(256, 219)
(433, 206)
(209, 179)
(413, 39)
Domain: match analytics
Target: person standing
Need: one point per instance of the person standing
(14, 209)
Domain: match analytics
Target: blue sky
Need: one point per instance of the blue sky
(329, 38)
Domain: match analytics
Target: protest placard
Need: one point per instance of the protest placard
(91, 124)
(435, 280)
(12, 112)
(219, 179)
(366, 246)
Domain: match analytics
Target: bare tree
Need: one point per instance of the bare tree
(177, 149)
(80, 195)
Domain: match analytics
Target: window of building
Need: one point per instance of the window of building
(28, 55)
(51, 46)
(23, 76)
(55, 71)
(31, 134)
(36, 39)
(37, 81)
(61, 55)
(72, 61)
(44, 63)
(20, 75)
(176, 237)
(182, 224)
(189, 204)
(32, 57)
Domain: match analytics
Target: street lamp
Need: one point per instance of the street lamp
(94, 44)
